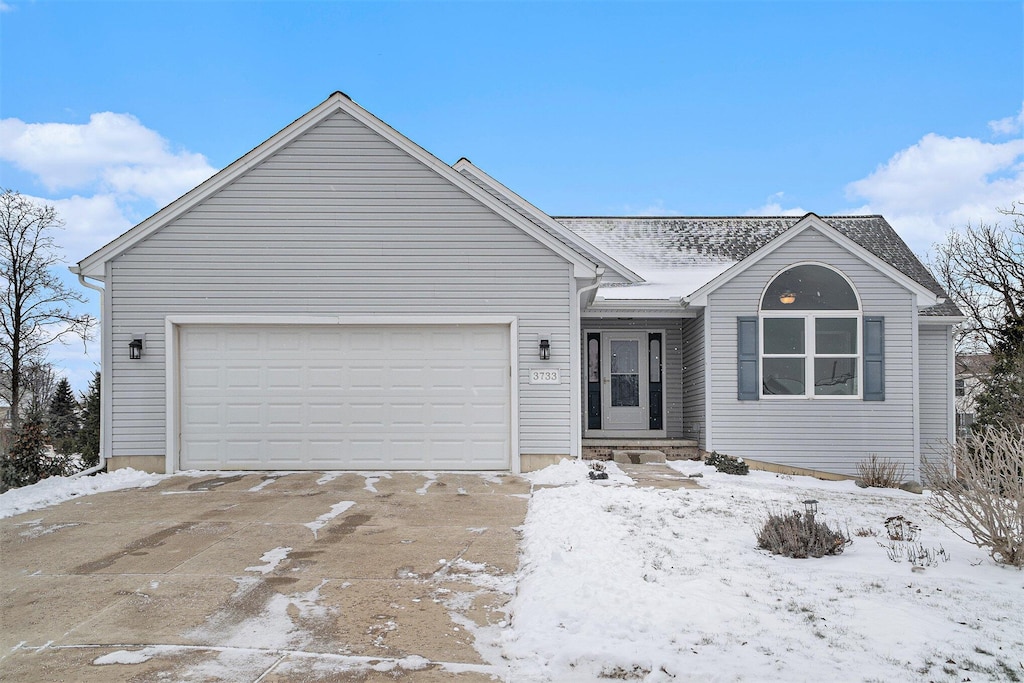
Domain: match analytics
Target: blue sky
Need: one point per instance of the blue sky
(910, 109)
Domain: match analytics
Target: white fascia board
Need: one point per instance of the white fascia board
(639, 308)
(674, 314)
(564, 233)
(925, 297)
(92, 264)
(939, 320)
(354, 320)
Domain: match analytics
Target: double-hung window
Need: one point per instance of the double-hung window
(810, 328)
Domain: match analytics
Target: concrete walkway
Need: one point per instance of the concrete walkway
(658, 475)
(261, 577)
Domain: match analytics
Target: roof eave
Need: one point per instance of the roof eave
(586, 249)
(940, 319)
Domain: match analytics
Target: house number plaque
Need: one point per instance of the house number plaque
(545, 376)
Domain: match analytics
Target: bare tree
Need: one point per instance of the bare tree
(38, 382)
(35, 306)
(982, 268)
(978, 492)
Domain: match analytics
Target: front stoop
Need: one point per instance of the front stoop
(638, 457)
(673, 449)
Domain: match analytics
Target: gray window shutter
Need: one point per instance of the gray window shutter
(746, 349)
(874, 358)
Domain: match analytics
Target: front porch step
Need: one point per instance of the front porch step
(673, 449)
(638, 457)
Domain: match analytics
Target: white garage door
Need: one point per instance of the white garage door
(335, 397)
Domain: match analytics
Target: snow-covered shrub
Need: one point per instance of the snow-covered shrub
(799, 535)
(979, 487)
(882, 473)
(726, 463)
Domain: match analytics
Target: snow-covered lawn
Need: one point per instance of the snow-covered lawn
(621, 582)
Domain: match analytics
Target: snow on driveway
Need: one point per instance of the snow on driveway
(657, 585)
(58, 489)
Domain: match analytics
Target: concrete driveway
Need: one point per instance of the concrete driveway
(264, 577)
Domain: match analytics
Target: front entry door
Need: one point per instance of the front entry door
(625, 391)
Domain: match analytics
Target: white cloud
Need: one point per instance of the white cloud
(773, 207)
(102, 177)
(90, 222)
(1011, 125)
(112, 153)
(4, 7)
(941, 183)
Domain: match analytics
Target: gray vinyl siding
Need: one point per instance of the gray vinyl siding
(693, 415)
(832, 435)
(672, 360)
(339, 222)
(936, 384)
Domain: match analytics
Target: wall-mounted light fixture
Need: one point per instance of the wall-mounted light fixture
(787, 298)
(545, 345)
(135, 346)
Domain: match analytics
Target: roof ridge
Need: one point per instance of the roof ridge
(679, 217)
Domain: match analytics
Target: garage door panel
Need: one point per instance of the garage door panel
(241, 415)
(326, 377)
(203, 377)
(284, 377)
(326, 414)
(234, 341)
(365, 377)
(420, 397)
(286, 414)
(242, 377)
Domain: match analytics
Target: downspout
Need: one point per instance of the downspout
(103, 458)
(578, 322)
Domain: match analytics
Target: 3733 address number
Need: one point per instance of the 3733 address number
(545, 376)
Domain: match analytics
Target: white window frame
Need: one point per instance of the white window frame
(810, 342)
(810, 353)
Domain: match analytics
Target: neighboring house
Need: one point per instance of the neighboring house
(5, 418)
(338, 298)
(971, 372)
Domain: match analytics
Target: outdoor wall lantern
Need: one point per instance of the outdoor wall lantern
(787, 298)
(545, 346)
(135, 347)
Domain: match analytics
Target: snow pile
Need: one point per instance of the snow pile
(575, 471)
(657, 585)
(55, 490)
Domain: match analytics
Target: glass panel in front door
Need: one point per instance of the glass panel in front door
(625, 373)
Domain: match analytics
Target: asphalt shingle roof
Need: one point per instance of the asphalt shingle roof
(678, 242)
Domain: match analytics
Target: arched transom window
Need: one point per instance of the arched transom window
(810, 334)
